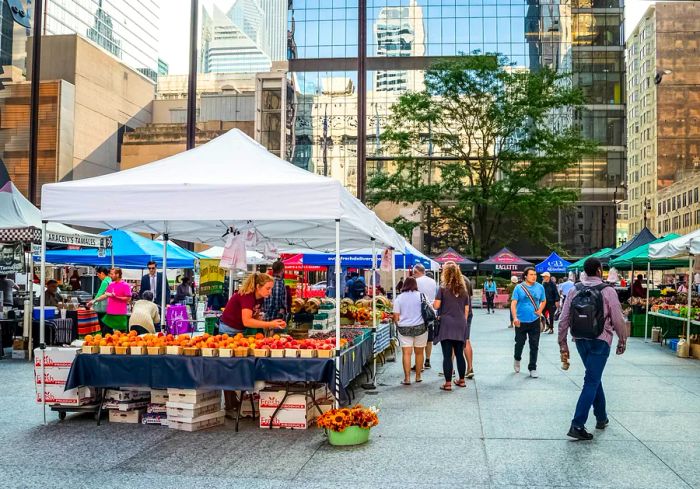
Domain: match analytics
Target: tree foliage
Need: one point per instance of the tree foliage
(475, 149)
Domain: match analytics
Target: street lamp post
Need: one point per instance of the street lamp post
(38, 8)
(192, 80)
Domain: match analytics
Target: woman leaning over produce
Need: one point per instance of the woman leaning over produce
(243, 309)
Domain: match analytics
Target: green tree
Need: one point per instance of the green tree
(474, 150)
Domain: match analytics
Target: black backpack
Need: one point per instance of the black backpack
(588, 312)
(358, 289)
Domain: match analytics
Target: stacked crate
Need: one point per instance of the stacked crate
(126, 405)
(194, 409)
(156, 412)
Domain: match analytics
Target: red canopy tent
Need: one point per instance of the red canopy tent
(504, 260)
(451, 255)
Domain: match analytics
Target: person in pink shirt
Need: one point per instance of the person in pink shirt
(117, 295)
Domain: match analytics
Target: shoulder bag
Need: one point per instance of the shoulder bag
(534, 305)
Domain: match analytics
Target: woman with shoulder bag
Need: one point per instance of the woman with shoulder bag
(453, 301)
(413, 333)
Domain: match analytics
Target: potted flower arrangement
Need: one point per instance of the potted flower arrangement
(349, 426)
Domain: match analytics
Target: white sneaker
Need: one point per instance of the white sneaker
(534, 374)
(516, 366)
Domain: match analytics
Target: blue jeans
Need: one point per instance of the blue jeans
(594, 354)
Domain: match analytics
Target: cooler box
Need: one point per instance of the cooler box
(49, 313)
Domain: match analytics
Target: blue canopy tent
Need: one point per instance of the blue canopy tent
(131, 250)
(362, 258)
(553, 264)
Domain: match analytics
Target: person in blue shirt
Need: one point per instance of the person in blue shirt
(526, 305)
(490, 294)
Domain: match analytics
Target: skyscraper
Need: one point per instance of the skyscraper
(246, 39)
(127, 29)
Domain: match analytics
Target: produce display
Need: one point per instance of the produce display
(676, 305)
(211, 345)
(349, 334)
(361, 310)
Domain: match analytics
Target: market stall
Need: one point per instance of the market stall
(683, 248)
(577, 266)
(504, 261)
(20, 230)
(638, 259)
(451, 255)
(237, 186)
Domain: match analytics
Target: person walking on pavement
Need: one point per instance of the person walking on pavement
(453, 301)
(592, 312)
(526, 305)
(412, 330)
(566, 287)
(552, 301)
(490, 294)
(428, 287)
(509, 290)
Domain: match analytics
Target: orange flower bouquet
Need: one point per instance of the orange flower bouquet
(349, 426)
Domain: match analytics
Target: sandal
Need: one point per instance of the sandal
(446, 387)
(419, 380)
(403, 382)
(460, 383)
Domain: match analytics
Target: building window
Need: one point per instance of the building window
(658, 211)
(697, 217)
(685, 200)
(673, 202)
(695, 194)
(686, 220)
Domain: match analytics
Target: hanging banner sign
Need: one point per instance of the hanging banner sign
(212, 277)
(80, 240)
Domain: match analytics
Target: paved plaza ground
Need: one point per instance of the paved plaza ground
(503, 431)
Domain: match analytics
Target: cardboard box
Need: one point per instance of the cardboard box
(125, 405)
(159, 419)
(52, 375)
(127, 395)
(156, 409)
(55, 394)
(192, 396)
(159, 396)
(19, 354)
(56, 356)
(131, 417)
(293, 419)
(188, 412)
(271, 398)
(19, 344)
(200, 423)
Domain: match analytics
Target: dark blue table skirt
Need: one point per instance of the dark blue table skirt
(184, 372)
(162, 371)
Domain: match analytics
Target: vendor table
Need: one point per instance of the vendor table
(233, 374)
(382, 339)
(672, 326)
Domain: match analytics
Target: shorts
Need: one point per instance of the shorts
(419, 341)
(431, 333)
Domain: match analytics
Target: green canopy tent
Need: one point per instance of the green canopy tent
(639, 258)
(577, 266)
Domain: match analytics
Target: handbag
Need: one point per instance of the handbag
(527, 292)
(427, 311)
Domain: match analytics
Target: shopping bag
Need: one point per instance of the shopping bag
(176, 319)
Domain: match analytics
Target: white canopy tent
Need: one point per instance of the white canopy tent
(252, 257)
(686, 245)
(229, 183)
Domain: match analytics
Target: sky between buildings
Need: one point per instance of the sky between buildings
(175, 17)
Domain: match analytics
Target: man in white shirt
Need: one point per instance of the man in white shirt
(428, 287)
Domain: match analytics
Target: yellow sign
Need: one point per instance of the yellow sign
(212, 277)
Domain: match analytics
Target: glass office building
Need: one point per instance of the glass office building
(128, 29)
(344, 89)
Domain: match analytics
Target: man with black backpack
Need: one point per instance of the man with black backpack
(592, 311)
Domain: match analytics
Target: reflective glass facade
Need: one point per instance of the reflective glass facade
(581, 37)
(128, 29)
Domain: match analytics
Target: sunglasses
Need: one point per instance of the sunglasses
(151, 268)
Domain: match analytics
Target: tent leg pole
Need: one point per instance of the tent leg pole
(164, 284)
(646, 309)
(30, 290)
(393, 274)
(338, 378)
(690, 294)
(405, 274)
(373, 384)
(42, 318)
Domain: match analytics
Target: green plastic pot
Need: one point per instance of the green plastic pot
(352, 435)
